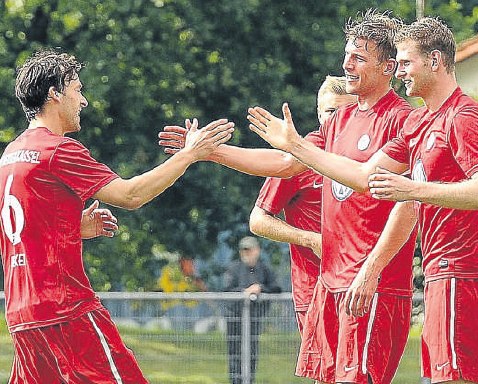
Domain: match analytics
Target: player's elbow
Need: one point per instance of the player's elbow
(121, 193)
(255, 221)
(361, 187)
(289, 167)
(360, 181)
(132, 203)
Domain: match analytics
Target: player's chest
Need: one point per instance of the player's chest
(359, 137)
(431, 157)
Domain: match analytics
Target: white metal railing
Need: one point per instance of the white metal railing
(183, 319)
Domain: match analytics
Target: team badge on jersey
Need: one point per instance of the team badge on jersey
(340, 191)
(418, 173)
(363, 142)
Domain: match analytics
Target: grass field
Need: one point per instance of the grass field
(188, 358)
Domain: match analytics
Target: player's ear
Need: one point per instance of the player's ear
(53, 93)
(436, 59)
(390, 67)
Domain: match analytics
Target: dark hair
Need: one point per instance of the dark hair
(44, 69)
(377, 27)
(431, 34)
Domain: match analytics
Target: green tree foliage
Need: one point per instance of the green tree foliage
(152, 63)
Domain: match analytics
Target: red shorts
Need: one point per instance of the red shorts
(85, 350)
(449, 340)
(340, 348)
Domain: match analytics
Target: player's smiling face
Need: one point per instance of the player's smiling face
(414, 69)
(362, 67)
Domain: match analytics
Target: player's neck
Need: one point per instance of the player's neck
(367, 101)
(440, 92)
(49, 122)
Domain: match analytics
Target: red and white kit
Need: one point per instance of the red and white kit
(351, 224)
(45, 180)
(442, 147)
(300, 197)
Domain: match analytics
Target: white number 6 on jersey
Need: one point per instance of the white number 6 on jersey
(12, 205)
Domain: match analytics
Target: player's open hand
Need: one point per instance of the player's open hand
(385, 185)
(173, 137)
(280, 133)
(97, 222)
(202, 142)
(360, 293)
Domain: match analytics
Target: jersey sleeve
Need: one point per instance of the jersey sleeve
(398, 122)
(275, 194)
(318, 137)
(463, 138)
(397, 149)
(397, 146)
(74, 166)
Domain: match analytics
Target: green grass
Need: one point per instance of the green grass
(169, 358)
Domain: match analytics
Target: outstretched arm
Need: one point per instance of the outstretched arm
(397, 231)
(390, 186)
(97, 222)
(253, 161)
(281, 134)
(263, 223)
(134, 192)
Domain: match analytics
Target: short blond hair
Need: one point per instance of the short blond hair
(430, 33)
(332, 84)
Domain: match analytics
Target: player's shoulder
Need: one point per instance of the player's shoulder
(68, 145)
(464, 105)
(312, 136)
(70, 141)
(43, 136)
(397, 104)
(346, 109)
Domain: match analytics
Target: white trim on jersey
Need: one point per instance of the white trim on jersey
(107, 350)
(369, 332)
(452, 322)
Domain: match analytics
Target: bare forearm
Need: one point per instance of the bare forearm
(397, 231)
(257, 161)
(462, 195)
(137, 191)
(273, 228)
(346, 171)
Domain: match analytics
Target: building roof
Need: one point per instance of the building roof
(466, 49)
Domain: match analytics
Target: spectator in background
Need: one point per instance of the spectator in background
(181, 276)
(253, 277)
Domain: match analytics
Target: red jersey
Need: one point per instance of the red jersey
(442, 147)
(45, 180)
(352, 222)
(300, 198)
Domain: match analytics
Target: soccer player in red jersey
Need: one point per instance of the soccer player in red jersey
(300, 200)
(438, 144)
(60, 330)
(337, 347)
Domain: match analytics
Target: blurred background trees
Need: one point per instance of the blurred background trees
(152, 63)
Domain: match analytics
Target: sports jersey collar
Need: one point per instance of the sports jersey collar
(382, 104)
(448, 102)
